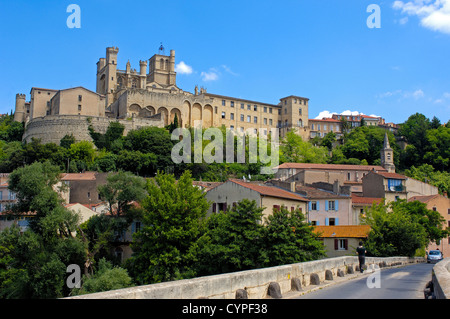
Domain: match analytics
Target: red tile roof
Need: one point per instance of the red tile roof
(87, 176)
(316, 193)
(344, 231)
(391, 175)
(269, 190)
(422, 199)
(340, 167)
(365, 200)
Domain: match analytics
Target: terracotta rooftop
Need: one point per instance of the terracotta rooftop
(344, 231)
(331, 120)
(391, 175)
(270, 190)
(206, 185)
(422, 199)
(339, 167)
(366, 200)
(86, 176)
(316, 193)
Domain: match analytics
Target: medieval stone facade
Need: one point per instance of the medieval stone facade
(150, 96)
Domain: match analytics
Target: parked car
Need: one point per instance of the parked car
(434, 256)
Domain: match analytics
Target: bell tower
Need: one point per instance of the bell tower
(162, 68)
(387, 156)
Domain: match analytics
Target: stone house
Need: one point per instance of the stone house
(83, 186)
(393, 186)
(441, 204)
(326, 207)
(228, 194)
(341, 240)
(308, 173)
(360, 204)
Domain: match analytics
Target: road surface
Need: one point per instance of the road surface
(405, 282)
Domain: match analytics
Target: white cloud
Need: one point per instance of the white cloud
(228, 70)
(447, 95)
(183, 68)
(209, 76)
(418, 94)
(403, 20)
(328, 114)
(433, 14)
(324, 114)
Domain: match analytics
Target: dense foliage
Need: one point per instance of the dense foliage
(401, 228)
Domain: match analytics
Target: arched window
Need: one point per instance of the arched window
(134, 84)
(300, 123)
(161, 64)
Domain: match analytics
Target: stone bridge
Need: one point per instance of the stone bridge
(258, 283)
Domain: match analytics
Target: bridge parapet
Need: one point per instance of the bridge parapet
(255, 282)
(441, 279)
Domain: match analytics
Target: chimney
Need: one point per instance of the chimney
(292, 185)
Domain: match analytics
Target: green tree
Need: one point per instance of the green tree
(37, 259)
(415, 131)
(67, 140)
(401, 228)
(82, 151)
(438, 149)
(289, 239)
(426, 173)
(151, 140)
(107, 277)
(173, 213)
(294, 150)
(120, 190)
(234, 241)
(328, 140)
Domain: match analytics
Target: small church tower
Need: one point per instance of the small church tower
(387, 156)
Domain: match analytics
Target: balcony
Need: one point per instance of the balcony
(397, 189)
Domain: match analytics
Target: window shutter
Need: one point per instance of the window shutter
(326, 205)
(318, 207)
(317, 224)
(133, 227)
(326, 222)
(336, 221)
(309, 206)
(346, 244)
(276, 207)
(336, 205)
(214, 207)
(224, 207)
(336, 244)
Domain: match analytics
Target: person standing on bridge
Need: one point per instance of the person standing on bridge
(361, 250)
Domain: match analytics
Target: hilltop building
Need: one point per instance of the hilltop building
(149, 97)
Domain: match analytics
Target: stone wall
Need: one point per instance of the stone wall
(441, 279)
(52, 128)
(255, 282)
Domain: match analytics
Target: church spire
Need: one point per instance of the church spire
(387, 155)
(386, 141)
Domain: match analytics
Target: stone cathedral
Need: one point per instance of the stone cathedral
(148, 97)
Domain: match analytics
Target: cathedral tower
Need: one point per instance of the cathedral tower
(162, 69)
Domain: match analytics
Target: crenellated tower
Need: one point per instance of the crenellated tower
(19, 113)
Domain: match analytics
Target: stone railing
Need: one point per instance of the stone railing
(441, 279)
(254, 284)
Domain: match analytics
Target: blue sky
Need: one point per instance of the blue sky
(259, 50)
